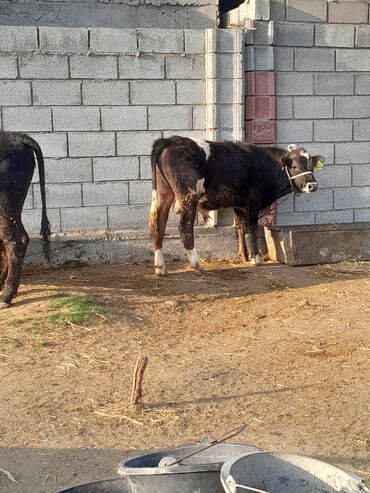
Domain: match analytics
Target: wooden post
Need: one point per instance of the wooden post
(137, 383)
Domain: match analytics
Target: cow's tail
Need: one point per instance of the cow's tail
(158, 147)
(45, 225)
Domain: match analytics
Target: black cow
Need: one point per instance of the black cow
(196, 174)
(17, 165)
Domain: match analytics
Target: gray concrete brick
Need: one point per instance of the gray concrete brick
(136, 143)
(116, 168)
(362, 130)
(352, 107)
(294, 34)
(330, 217)
(284, 59)
(290, 84)
(31, 220)
(54, 93)
(194, 41)
(18, 39)
(294, 131)
(332, 176)
(185, 67)
(145, 168)
(161, 40)
(353, 60)
(43, 66)
(53, 144)
(194, 91)
(225, 66)
(277, 10)
(15, 93)
(314, 59)
(352, 198)
(140, 192)
(334, 130)
(108, 40)
(107, 193)
(93, 67)
(263, 35)
(284, 108)
(362, 83)
(301, 10)
(362, 215)
(348, 12)
(68, 170)
(325, 149)
(294, 219)
(76, 118)
(63, 40)
(124, 118)
(352, 152)
(363, 36)
(27, 119)
(335, 35)
(128, 216)
(102, 93)
(28, 203)
(263, 58)
(8, 67)
(145, 66)
(84, 218)
(170, 117)
(361, 175)
(334, 84)
(199, 117)
(307, 107)
(285, 204)
(197, 134)
(92, 144)
(61, 195)
(153, 92)
(322, 200)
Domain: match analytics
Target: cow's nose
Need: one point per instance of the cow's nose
(312, 186)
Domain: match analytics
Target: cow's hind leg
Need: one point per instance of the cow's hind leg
(188, 211)
(240, 218)
(252, 234)
(3, 265)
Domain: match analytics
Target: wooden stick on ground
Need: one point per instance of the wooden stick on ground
(137, 383)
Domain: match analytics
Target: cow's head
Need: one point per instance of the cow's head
(299, 166)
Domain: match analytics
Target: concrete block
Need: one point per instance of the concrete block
(202, 17)
(307, 107)
(53, 144)
(18, 39)
(263, 58)
(105, 93)
(320, 200)
(76, 118)
(93, 67)
(136, 143)
(68, 170)
(348, 12)
(332, 217)
(145, 168)
(110, 192)
(352, 107)
(284, 107)
(92, 144)
(261, 132)
(301, 10)
(260, 83)
(185, 67)
(31, 220)
(352, 198)
(261, 108)
(161, 40)
(294, 131)
(314, 59)
(140, 192)
(334, 176)
(170, 117)
(291, 84)
(362, 215)
(144, 66)
(54, 93)
(108, 40)
(124, 118)
(277, 10)
(153, 92)
(116, 168)
(285, 204)
(194, 41)
(27, 119)
(231, 66)
(353, 60)
(84, 218)
(362, 130)
(334, 84)
(199, 117)
(43, 67)
(28, 203)
(362, 83)
(8, 67)
(284, 58)
(294, 34)
(264, 33)
(335, 35)
(63, 40)
(361, 175)
(295, 219)
(128, 216)
(352, 152)
(363, 36)
(194, 91)
(333, 130)
(323, 149)
(15, 93)
(61, 195)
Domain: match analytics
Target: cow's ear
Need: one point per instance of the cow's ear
(317, 159)
(285, 161)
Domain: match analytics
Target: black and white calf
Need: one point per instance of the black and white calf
(201, 175)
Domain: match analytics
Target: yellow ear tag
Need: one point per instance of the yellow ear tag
(319, 165)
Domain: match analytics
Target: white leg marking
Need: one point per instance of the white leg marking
(203, 145)
(153, 205)
(256, 260)
(159, 264)
(200, 187)
(194, 259)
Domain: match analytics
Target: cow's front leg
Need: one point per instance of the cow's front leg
(253, 235)
(240, 220)
(3, 265)
(186, 228)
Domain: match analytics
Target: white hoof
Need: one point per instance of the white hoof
(256, 260)
(160, 271)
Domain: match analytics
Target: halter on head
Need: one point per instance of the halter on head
(292, 147)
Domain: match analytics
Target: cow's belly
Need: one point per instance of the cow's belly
(222, 198)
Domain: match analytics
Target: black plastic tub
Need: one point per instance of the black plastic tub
(109, 486)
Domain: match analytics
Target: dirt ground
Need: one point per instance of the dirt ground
(284, 349)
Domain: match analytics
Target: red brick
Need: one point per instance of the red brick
(261, 108)
(260, 83)
(261, 131)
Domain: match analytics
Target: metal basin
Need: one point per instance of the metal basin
(283, 473)
(108, 486)
(198, 474)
